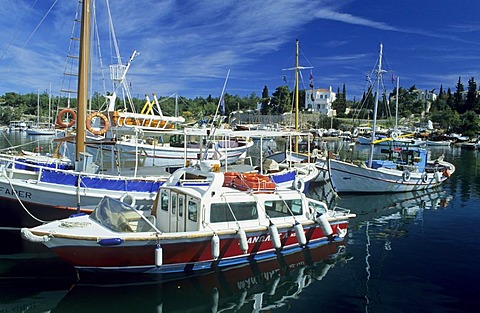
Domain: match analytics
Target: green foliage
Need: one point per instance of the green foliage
(281, 101)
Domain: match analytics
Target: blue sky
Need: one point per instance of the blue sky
(189, 46)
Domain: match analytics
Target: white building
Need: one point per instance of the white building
(320, 100)
(422, 95)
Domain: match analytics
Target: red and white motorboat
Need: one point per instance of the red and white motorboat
(199, 220)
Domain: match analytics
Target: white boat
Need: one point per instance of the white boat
(200, 219)
(395, 140)
(438, 143)
(404, 168)
(41, 129)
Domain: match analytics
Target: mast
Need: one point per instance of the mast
(374, 126)
(296, 95)
(396, 105)
(84, 60)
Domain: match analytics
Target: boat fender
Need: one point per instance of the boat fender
(28, 235)
(302, 240)
(406, 175)
(325, 226)
(275, 237)
(63, 112)
(128, 199)
(215, 246)
(158, 255)
(110, 241)
(355, 132)
(424, 177)
(242, 240)
(299, 184)
(438, 178)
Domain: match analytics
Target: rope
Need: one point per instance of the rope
(21, 203)
(36, 28)
(18, 146)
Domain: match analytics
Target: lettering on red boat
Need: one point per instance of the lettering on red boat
(264, 238)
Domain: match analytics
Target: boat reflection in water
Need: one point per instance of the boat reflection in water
(377, 208)
(385, 225)
(271, 283)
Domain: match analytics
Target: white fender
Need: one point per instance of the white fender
(438, 177)
(355, 132)
(215, 246)
(302, 240)
(275, 237)
(242, 240)
(325, 226)
(158, 255)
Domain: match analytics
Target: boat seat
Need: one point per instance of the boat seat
(143, 226)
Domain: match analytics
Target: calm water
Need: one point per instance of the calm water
(413, 252)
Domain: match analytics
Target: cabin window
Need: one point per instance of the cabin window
(180, 206)
(174, 203)
(283, 208)
(164, 200)
(192, 210)
(221, 212)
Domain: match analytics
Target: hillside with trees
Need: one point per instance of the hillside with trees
(455, 111)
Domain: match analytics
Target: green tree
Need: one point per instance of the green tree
(281, 101)
(459, 103)
(471, 100)
(469, 125)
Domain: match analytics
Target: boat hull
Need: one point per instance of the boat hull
(57, 196)
(351, 178)
(190, 253)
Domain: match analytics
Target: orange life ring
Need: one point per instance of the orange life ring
(63, 112)
(88, 123)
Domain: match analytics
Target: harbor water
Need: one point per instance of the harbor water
(408, 252)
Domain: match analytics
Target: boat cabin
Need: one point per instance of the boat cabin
(398, 158)
(209, 205)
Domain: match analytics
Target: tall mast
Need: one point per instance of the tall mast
(84, 60)
(296, 95)
(374, 126)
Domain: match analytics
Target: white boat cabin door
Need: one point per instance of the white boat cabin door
(177, 212)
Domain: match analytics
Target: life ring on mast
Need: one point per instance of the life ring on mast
(88, 123)
(406, 175)
(63, 112)
(299, 184)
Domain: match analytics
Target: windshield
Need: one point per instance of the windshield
(120, 217)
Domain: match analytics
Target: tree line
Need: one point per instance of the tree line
(455, 110)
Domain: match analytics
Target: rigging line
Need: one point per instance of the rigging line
(20, 22)
(40, 23)
(36, 28)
